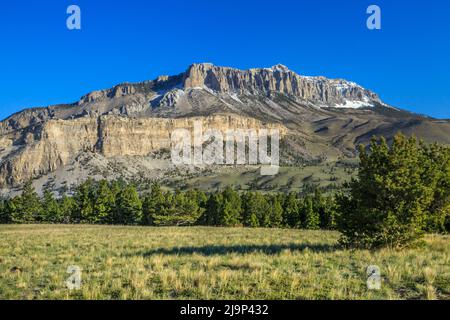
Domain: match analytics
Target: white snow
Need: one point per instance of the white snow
(350, 104)
(235, 97)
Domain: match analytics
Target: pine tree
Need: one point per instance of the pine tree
(291, 210)
(128, 210)
(276, 217)
(103, 204)
(329, 214)
(84, 203)
(202, 199)
(13, 210)
(325, 207)
(29, 206)
(192, 206)
(312, 220)
(153, 204)
(51, 212)
(5, 215)
(116, 188)
(230, 213)
(211, 216)
(436, 162)
(250, 210)
(389, 199)
(67, 206)
(181, 210)
(264, 210)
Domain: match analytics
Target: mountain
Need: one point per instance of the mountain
(126, 130)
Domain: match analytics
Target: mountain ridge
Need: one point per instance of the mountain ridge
(322, 118)
(190, 80)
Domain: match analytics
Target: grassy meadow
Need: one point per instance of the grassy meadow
(211, 263)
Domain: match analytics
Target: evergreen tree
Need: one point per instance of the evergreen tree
(116, 188)
(13, 210)
(51, 212)
(211, 216)
(29, 206)
(436, 162)
(326, 208)
(128, 209)
(5, 215)
(230, 213)
(291, 210)
(389, 198)
(153, 204)
(312, 220)
(192, 206)
(276, 217)
(202, 199)
(182, 210)
(250, 210)
(84, 203)
(67, 206)
(265, 210)
(328, 214)
(103, 204)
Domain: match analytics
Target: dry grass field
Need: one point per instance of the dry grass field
(211, 263)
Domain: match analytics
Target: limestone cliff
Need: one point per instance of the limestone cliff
(58, 142)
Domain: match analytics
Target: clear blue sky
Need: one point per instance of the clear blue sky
(42, 62)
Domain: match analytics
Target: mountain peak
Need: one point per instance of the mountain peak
(280, 67)
(263, 81)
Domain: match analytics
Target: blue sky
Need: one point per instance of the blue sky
(407, 62)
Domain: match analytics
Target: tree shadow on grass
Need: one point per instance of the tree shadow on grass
(211, 250)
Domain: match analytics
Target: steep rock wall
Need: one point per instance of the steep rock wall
(58, 142)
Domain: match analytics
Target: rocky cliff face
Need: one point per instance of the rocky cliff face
(319, 118)
(279, 78)
(58, 142)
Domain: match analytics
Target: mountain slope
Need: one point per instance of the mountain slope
(320, 119)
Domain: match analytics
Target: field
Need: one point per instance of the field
(208, 263)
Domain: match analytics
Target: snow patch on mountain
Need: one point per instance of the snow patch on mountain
(349, 104)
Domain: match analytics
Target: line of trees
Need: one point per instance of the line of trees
(117, 202)
(401, 191)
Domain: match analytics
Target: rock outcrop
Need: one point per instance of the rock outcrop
(276, 79)
(58, 142)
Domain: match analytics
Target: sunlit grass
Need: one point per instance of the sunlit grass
(208, 263)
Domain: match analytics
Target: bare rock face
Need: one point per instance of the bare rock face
(120, 136)
(58, 142)
(45, 148)
(276, 79)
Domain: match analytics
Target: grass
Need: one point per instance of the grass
(288, 179)
(208, 263)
